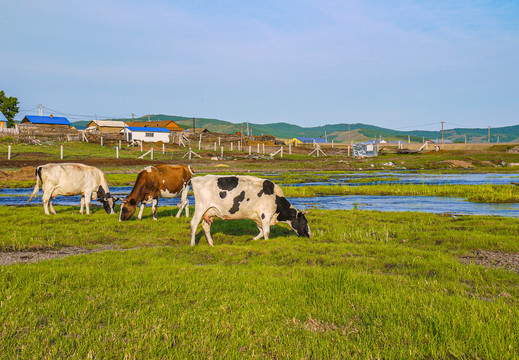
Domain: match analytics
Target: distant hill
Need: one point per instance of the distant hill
(336, 132)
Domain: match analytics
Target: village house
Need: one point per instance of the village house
(51, 122)
(147, 134)
(306, 140)
(167, 124)
(106, 126)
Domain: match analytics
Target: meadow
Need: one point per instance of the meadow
(366, 285)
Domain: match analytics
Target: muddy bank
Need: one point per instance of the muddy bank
(493, 259)
(17, 257)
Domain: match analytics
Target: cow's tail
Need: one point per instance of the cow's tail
(37, 185)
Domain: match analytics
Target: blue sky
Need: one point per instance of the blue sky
(400, 64)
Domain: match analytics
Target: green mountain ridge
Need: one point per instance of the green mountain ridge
(336, 132)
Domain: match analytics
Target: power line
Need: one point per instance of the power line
(415, 126)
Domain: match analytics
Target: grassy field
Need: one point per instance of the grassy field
(451, 161)
(367, 285)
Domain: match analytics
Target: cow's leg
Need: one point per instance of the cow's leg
(154, 208)
(197, 216)
(260, 233)
(52, 211)
(265, 224)
(184, 203)
(207, 230)
(45, 200)
(87, 202)
(82, 204)
(141, 210)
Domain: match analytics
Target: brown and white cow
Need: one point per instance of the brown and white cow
(243, 197)
(154, 182)
(73, 179)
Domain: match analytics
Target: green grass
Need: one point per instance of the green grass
(367, 285)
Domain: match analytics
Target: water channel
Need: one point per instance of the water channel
(431, 204)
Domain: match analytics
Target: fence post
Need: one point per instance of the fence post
(141, 145)
(117, 153)
(281, 151)
(258, 149)
(119, 144)
(239, 145)
(250, 149)
(219, 141)
(200, 143)
(231, 147)
(263, 148)
(151, 153)
(290, 149)
(190, 153)
(332, 144)
(9, 152)
(101, 141)
(215, 146)
(61, 152)
(163, 149)
(221, 153)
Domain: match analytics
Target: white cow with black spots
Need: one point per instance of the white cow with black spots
(243, 197)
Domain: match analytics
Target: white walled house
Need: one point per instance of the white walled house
(148, 134)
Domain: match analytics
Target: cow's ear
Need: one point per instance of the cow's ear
(133, 202)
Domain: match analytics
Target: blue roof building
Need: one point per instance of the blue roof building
(3, 121)
(152, 134)
(147, 129)
(311, 140)
(46, 120)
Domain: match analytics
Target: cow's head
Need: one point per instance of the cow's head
(127, 209)
(107, 200)
(300, 225)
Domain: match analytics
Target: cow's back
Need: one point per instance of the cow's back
(70, 178)
(235, 197)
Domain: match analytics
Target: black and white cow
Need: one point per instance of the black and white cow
(243, 197)
(73, 179)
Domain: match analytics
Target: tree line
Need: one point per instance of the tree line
(8, 107)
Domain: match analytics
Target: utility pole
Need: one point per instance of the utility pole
(41, 110)
(349, 135)
(465, 138)
(489, 134)
(194, 131)
(442, 131)
(133, 116)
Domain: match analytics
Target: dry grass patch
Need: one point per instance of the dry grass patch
(319, 326)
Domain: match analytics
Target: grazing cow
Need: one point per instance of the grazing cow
(155, 181)
(73, 179)
(243, 197)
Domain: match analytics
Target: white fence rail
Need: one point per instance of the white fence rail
(9, 131)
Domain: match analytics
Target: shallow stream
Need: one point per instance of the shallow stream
(431, 204)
